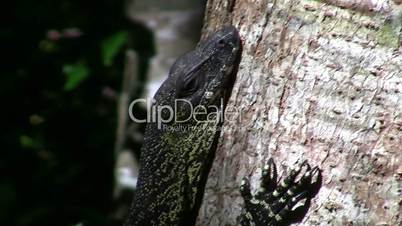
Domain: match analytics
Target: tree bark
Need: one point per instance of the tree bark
(321, 81)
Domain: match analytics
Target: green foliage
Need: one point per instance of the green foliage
(59, 123)
(57, 153)
(28, 142)
(111, 47)
(75, 73)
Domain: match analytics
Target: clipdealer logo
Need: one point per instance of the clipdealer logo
(162, 114)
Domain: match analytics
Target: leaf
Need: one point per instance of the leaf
(76, 73)
(111, 46)
(28, 142)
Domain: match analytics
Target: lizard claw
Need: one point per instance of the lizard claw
(269, 176)
(280, 203)
(245, 189)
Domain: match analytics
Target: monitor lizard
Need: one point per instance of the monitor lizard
(178, 144)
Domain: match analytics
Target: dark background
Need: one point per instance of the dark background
(61, 73)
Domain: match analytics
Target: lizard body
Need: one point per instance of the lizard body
(176, 153)
(173, 158)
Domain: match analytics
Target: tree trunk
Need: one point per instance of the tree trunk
(318, 80)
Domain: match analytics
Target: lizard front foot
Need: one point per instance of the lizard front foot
(281, 203)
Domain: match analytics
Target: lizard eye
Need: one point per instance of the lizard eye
(188, 87)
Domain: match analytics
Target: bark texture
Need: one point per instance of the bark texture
(322, 81)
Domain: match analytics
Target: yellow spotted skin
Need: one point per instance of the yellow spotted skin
(171, 182)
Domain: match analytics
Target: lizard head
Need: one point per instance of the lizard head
(214, 59)
(200, 78)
